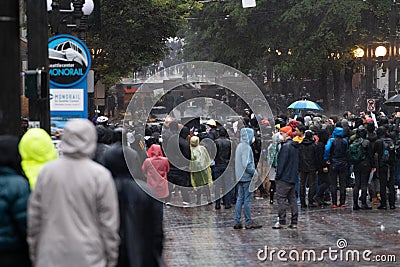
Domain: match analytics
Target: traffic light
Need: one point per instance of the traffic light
(35, 83)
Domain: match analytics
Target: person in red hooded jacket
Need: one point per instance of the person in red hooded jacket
(155, 168)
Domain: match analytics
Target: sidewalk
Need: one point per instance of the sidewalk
(204, 236)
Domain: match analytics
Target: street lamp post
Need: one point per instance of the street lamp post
(374, 54)
(69, 15)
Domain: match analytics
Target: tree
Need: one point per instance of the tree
(133, 34)
(290, 40)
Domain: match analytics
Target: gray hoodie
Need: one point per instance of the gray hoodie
(245, 167)
(73, 215)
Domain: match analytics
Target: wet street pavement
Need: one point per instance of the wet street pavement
(203, 236)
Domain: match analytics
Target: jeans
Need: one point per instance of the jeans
(244, 199)
(225, 182)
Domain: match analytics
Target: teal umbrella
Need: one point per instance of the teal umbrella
(305, 105)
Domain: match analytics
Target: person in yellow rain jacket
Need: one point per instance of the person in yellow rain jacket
(36, 149)
(200, 171)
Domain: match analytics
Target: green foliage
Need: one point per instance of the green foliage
(299, 39)
(133, 34)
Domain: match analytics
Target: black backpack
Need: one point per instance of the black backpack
(339, 148)
(389, 151)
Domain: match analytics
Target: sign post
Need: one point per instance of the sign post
(69, 65)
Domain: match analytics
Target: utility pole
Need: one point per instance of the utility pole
(10, 68)
(39, 109)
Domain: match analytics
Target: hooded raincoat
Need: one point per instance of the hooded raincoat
(337, 155)
(200, 170)
(73, 216)
(244, 162)
(36, 149)
(155, 168)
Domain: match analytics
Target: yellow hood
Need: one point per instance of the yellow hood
(36, 149)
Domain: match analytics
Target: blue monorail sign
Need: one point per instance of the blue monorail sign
(69, 64)
(69, 60)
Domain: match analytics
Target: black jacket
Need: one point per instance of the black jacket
(288, 162)
(308, 157)
(378, 149)
(223, 156)
(141, 229)
(320, 161)
(178, 153)
(368, 148)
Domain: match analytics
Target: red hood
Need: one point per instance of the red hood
(154, 151)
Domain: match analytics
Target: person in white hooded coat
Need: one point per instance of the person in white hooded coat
(73, 216)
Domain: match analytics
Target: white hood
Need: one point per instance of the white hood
(79, 139)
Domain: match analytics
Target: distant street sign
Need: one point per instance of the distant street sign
(371, 104)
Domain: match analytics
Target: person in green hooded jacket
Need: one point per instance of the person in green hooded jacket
(36, 149)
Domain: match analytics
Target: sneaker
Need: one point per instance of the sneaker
(356, 207)
(292, 226)
(381, 207)
(342, 206)
(334, 206)
(185, 204)
(238, 226)
(217, 206)
(271, 202)
(228, 206)
(278, 226)
(392, 207)
(253, 225)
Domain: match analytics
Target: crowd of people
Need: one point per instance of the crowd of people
(333, 154)
(100, 201)
(69, 210)
(313, 160)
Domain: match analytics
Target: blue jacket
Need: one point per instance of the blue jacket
(14, 196)
(244, 160)
(288, 162)
(337, 158)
